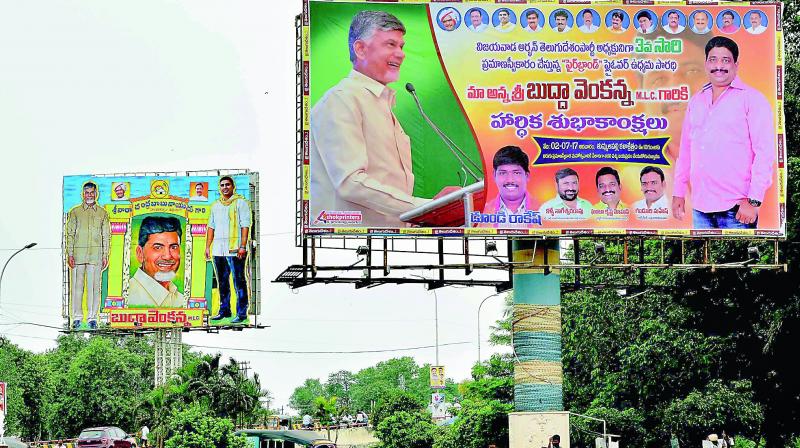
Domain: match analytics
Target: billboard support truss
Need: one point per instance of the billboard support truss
(169, 354)
(488, 262)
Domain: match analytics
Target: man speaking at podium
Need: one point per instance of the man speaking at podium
(360, 157)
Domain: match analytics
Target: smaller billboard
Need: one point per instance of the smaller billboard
(2, 398)
(159, 251)
(437, 377)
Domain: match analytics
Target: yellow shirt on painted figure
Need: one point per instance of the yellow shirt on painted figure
(145, 291)
(87, 234)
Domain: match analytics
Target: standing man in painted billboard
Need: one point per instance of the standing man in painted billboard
(87, 238)
(727, 146)
(228, 230)
(360, 157)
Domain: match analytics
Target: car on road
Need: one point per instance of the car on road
(105, 437)
(265, 438)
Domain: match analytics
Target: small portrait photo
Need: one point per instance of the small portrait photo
(645, 21)
(477, 19)
(532, 20)
(617, 21)
(673, 21)
(755, 22)
(700, 21)
(504, 20)
(120, 191)
(448, 19)
(198, 191)
(728, 21)
(561, 21)
(588, 20)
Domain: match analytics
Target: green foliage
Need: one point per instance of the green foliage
(324, 409)
(719, 405)
(406, 429)
(630, 422)
(491, 380)
(479, 424)
(339, 385)
(398, 373)
(23, 374)
(393, 401)
(99, 386)
(501, 332)
(303, 397)
(196, 427)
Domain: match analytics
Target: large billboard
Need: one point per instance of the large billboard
(543, 118)
(144, 251)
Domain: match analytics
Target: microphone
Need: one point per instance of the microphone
(454, 149)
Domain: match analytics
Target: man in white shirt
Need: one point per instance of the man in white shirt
(533, 22)
(588, 22)
(655, 204)
(476, 21)
(199, 193)
(145, 436)
(360, 157)
(159, 254)
(700, 23)
(561, 21)
(674, 23)
(645, 22)
(226, 244)
(755, 23)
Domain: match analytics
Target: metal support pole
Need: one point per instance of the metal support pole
(576, 249)
(441, 261)
(369, 258)
(641, 262)
(385, 257)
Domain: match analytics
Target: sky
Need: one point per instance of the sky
(93, 87)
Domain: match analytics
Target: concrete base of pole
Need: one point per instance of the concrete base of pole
(534, 429)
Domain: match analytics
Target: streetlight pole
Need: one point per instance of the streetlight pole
(436, 317)
(28, 246)
(479, 323)
(5, 391)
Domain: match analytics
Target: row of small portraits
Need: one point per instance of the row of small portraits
(645, 21)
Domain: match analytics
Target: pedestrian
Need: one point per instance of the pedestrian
(145, 434)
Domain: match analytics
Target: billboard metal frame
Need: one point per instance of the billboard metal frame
(468, 261)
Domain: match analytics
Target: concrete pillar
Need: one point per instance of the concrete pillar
(538, 373)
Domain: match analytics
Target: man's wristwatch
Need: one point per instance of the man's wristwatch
(754, 203)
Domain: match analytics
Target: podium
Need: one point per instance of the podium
(450, 210)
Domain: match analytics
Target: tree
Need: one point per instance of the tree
(492, 380)
(303, 397)
(393, 401)
(196, 427)
(397, 373)
(480, 423)
(406, 430)
(338, 385)
(99, 385)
